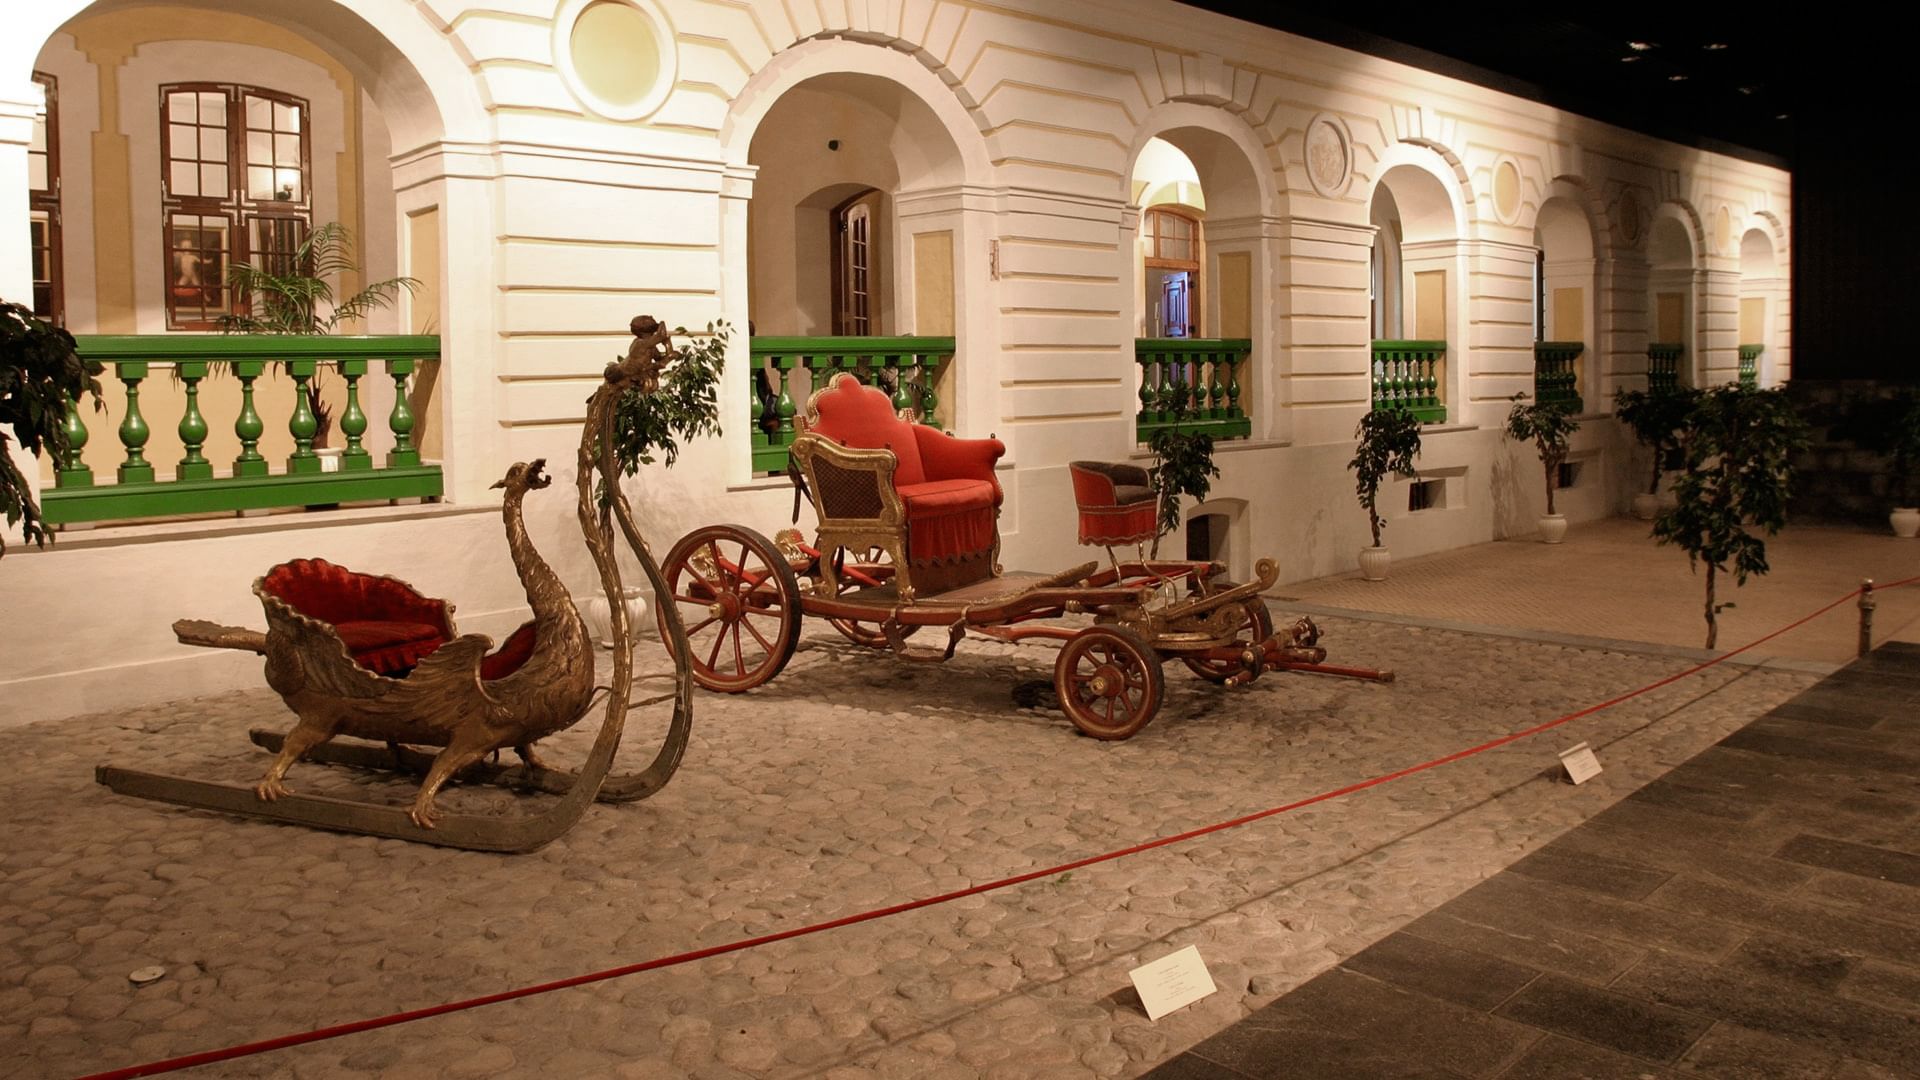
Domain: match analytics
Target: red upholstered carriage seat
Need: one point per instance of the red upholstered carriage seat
(946, 484)
(386, 625)
(1116, 501)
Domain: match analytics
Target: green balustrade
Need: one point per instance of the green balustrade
(1750, 365)
(1663, 366)
(251, 485)
(1406, 375)
(785, 370)
(1555, 376)
(1191, 385)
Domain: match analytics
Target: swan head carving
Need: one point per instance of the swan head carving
(525, 476)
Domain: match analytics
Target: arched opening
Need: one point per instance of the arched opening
(1563, 314)
(1762, 291)
(1216, 531)
(184, 139)
(1670, 303)
(853, 239)
(1413, 274)
(1198, 265)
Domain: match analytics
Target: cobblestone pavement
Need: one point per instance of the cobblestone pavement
(1611, 580)
(850, 782)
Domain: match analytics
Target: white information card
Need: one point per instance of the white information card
(1172, 982)
(1581, 765)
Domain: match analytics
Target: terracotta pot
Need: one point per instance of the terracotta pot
(1646, 507)
(1553, 528)
(1905, 521)
(1374, 562)
(598, 611)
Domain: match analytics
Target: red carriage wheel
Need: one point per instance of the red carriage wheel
(740, 603)
(863, 572)
(1260, 627)
(1109, 682)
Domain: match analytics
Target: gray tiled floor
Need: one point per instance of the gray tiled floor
(1754, 915)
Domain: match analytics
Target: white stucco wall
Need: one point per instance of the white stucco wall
(557, 225)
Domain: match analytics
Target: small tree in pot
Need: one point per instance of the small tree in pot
(41, 377)
(1549, 425)
(1386, 442)
(1655, 417)
(1182, 465)
(1901, 442)
(1739, 449)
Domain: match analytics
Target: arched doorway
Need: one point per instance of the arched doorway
(1201, 261)
(855, 242)
(1672, 353)
(1565, 287)
(1762, 294)
(1414, 274)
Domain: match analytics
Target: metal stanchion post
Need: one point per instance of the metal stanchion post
(1866, 616)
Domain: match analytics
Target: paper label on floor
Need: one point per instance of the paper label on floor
(1581, 765)
(1172, 982)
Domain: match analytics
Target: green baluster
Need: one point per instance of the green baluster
(193, 426)
(1148, 398)
(1173, 393)
(133, 427)
(929, 400)
(353, 422)
(1233, 387)
(783, 406)
(902, 399)
(1430, 378)
(249, 426)
(302, 425)
(1217, 390)
(71, 470)
(757, 408)
(400, 420)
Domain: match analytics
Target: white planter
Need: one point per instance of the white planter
(330, 457)
(1374, 562)
(1553, 528)
(1905, 521)
(1646, 507)
(598, 611)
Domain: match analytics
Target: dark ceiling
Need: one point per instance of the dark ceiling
(1739, 82)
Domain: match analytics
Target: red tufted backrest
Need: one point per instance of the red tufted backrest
(333, 594)
(862, 418)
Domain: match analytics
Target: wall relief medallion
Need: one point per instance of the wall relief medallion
(1628, 218)
(1329, 155)
(1506, 191)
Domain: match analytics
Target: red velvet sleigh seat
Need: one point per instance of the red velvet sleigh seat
(928, 499)
(385, 624)
(1117, 503)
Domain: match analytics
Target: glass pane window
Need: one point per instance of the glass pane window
(43, 202)
(272, 242)
(198, 250)
(276, 149)
(41, 254)
(196, 137)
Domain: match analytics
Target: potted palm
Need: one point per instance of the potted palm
(1386, 442)
(1549, 425)
(1656, 418)
(297, 297)
(1904, 445)
(41, 377)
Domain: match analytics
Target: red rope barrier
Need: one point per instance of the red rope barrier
(282, 1042)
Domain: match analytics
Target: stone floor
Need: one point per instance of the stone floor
(1753, 914)
(851, 782)
(1610, 579)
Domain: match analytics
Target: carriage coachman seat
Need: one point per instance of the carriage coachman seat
(926, 498)
(1116, 501)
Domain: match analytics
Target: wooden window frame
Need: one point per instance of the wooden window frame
(1150, 225)
(47, 201)
(234, 206)
(855, 310)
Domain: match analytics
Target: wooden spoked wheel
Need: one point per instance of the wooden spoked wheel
(740, 603)
(856, 566)
(1259, 628)
(1109, 682)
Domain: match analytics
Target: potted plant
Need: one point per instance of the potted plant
(682, 402)
(1549, 425)
(291, 299)
(1386, 442)
(1655, 417)
(1739, 450)
(1182, 465)
(41, 377)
